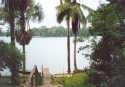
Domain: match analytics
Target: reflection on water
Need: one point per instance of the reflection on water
(51, 52)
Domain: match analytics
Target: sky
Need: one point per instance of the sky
(49, 10)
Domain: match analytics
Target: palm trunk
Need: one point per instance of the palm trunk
(12, 30)
(68, 43)
(24, 60)
(23, 30)
(11, 21)
(12, 35)
(75, 61)
(68, 46)
(60, 1)
(14, 77)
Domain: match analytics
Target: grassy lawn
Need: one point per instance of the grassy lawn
(76, 80)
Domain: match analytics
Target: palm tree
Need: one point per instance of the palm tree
(64, 12)
(74, 12)
(8, 13)
(77, 18)
(27, 11)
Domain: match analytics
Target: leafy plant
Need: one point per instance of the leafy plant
(10, 57)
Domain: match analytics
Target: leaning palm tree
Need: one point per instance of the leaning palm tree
(64, 12)
(27, 11)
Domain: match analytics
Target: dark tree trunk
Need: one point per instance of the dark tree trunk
(68, 46)
(12, 35)
(23, 30)
(24, 60)
(12, 29)
(14, 76)
(75, 61)
(22, 20)
(60, 1)
(11, 10)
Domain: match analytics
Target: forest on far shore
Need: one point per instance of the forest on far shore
(44, 31)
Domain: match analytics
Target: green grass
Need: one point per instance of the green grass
(76, 80)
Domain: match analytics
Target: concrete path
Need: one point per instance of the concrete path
(47, 81)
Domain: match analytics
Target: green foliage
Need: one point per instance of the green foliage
(56, 32)
(119, 5)
(108, 55)
(31, 10)
(71, 10)
(49, 32)
(10, 57)
(106, 20)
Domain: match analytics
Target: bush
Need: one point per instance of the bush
(10, 57)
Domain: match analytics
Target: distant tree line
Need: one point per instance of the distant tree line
(53, 31)
(50, 32)
(3, 33)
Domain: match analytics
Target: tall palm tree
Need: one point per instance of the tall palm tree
(8, 10)
(27, 11)
(8, 14)
(76, 17)
(64, 12)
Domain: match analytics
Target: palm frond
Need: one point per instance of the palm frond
(82, 17)
(63, 10)
(38, 14)
(60, 17)
(87, 8)
(77, 12)
(33, 11)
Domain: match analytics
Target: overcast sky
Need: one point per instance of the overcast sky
(49, 10)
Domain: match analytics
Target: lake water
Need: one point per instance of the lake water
(51, 52)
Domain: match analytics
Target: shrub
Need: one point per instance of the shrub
(10, 57)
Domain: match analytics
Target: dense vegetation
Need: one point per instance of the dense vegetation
(55, 32)
(17, 14)
(10, 58)
(50, 32)
(107, 66)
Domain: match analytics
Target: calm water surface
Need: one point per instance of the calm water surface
(51, 52)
